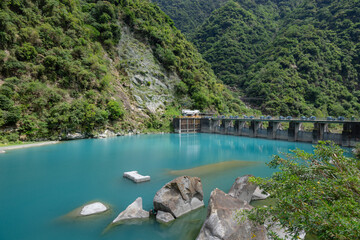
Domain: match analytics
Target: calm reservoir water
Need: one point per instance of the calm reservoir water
(38, 186)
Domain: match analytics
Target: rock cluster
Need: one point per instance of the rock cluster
(180, 196)
(221, 222)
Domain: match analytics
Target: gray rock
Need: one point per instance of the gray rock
(164, 217)
(259, 195)
(106, 134)
(221, 222)
(93, 208)
(283, 233)
(133, 211)
(180, 196)
(74, 136)
(242, 189)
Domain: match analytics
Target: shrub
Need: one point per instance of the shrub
(115, 110)
(26, 52)
(318, 193)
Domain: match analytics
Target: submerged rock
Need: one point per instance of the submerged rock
(243, 189)
(259, 195)
(93, 208)
(180, 196)
(164, 217)
(221, 222)
(133, 211)
(214, 168)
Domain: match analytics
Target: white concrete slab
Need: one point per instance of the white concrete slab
(136, 177)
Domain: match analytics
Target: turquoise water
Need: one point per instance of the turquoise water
(38, 186)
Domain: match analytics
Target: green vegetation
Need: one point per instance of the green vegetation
(318, 193)
(188, 15)
(59, 74)
(284, 57)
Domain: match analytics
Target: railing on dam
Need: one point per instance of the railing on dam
(349, 136)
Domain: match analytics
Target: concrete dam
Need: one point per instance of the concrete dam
(349, 136)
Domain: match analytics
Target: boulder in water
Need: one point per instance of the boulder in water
(180, 196)
(132, 212)
(221, 222)
(93, 208)
(243, 189)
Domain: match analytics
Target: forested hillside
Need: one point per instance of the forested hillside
(287, 57)
(189, 14)
(84, 66)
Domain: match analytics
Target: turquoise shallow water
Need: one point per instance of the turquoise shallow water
(40, 185)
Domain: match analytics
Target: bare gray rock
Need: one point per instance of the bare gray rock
(133, 211)
(259, 195)
(242, 189)
(164, 217)
(221, 222)
(74, 136)
(180, 196)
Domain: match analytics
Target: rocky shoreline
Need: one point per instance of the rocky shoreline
(21, 146)
(75, 136)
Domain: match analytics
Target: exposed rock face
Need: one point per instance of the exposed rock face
(259, 195)
(164, 217)
(180, 196)
(106, 134)
(133, 211)
(74, 136)
(93, 208)
(221, 223)
(152, 86)
(242, 189)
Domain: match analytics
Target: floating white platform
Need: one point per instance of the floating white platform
(136, 177)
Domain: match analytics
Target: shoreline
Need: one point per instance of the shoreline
(21, 146)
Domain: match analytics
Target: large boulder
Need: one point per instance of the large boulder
(243, 189)
(221, 222)
(132, 212)
(180, 196)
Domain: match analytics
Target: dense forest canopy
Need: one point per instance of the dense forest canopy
(60, 71)
(189, 14)
(291, 57)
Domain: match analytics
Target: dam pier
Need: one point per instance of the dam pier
(254, 128)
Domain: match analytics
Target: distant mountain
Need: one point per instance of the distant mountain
(288, 57)
(86, 66)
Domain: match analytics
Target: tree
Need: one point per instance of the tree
(318, 193)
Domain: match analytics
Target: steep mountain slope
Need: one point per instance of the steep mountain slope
(189, 14)
(312, 65)
(235, 35)
(287, 57)
(76, 65)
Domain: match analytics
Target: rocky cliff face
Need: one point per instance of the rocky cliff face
(151, 85)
